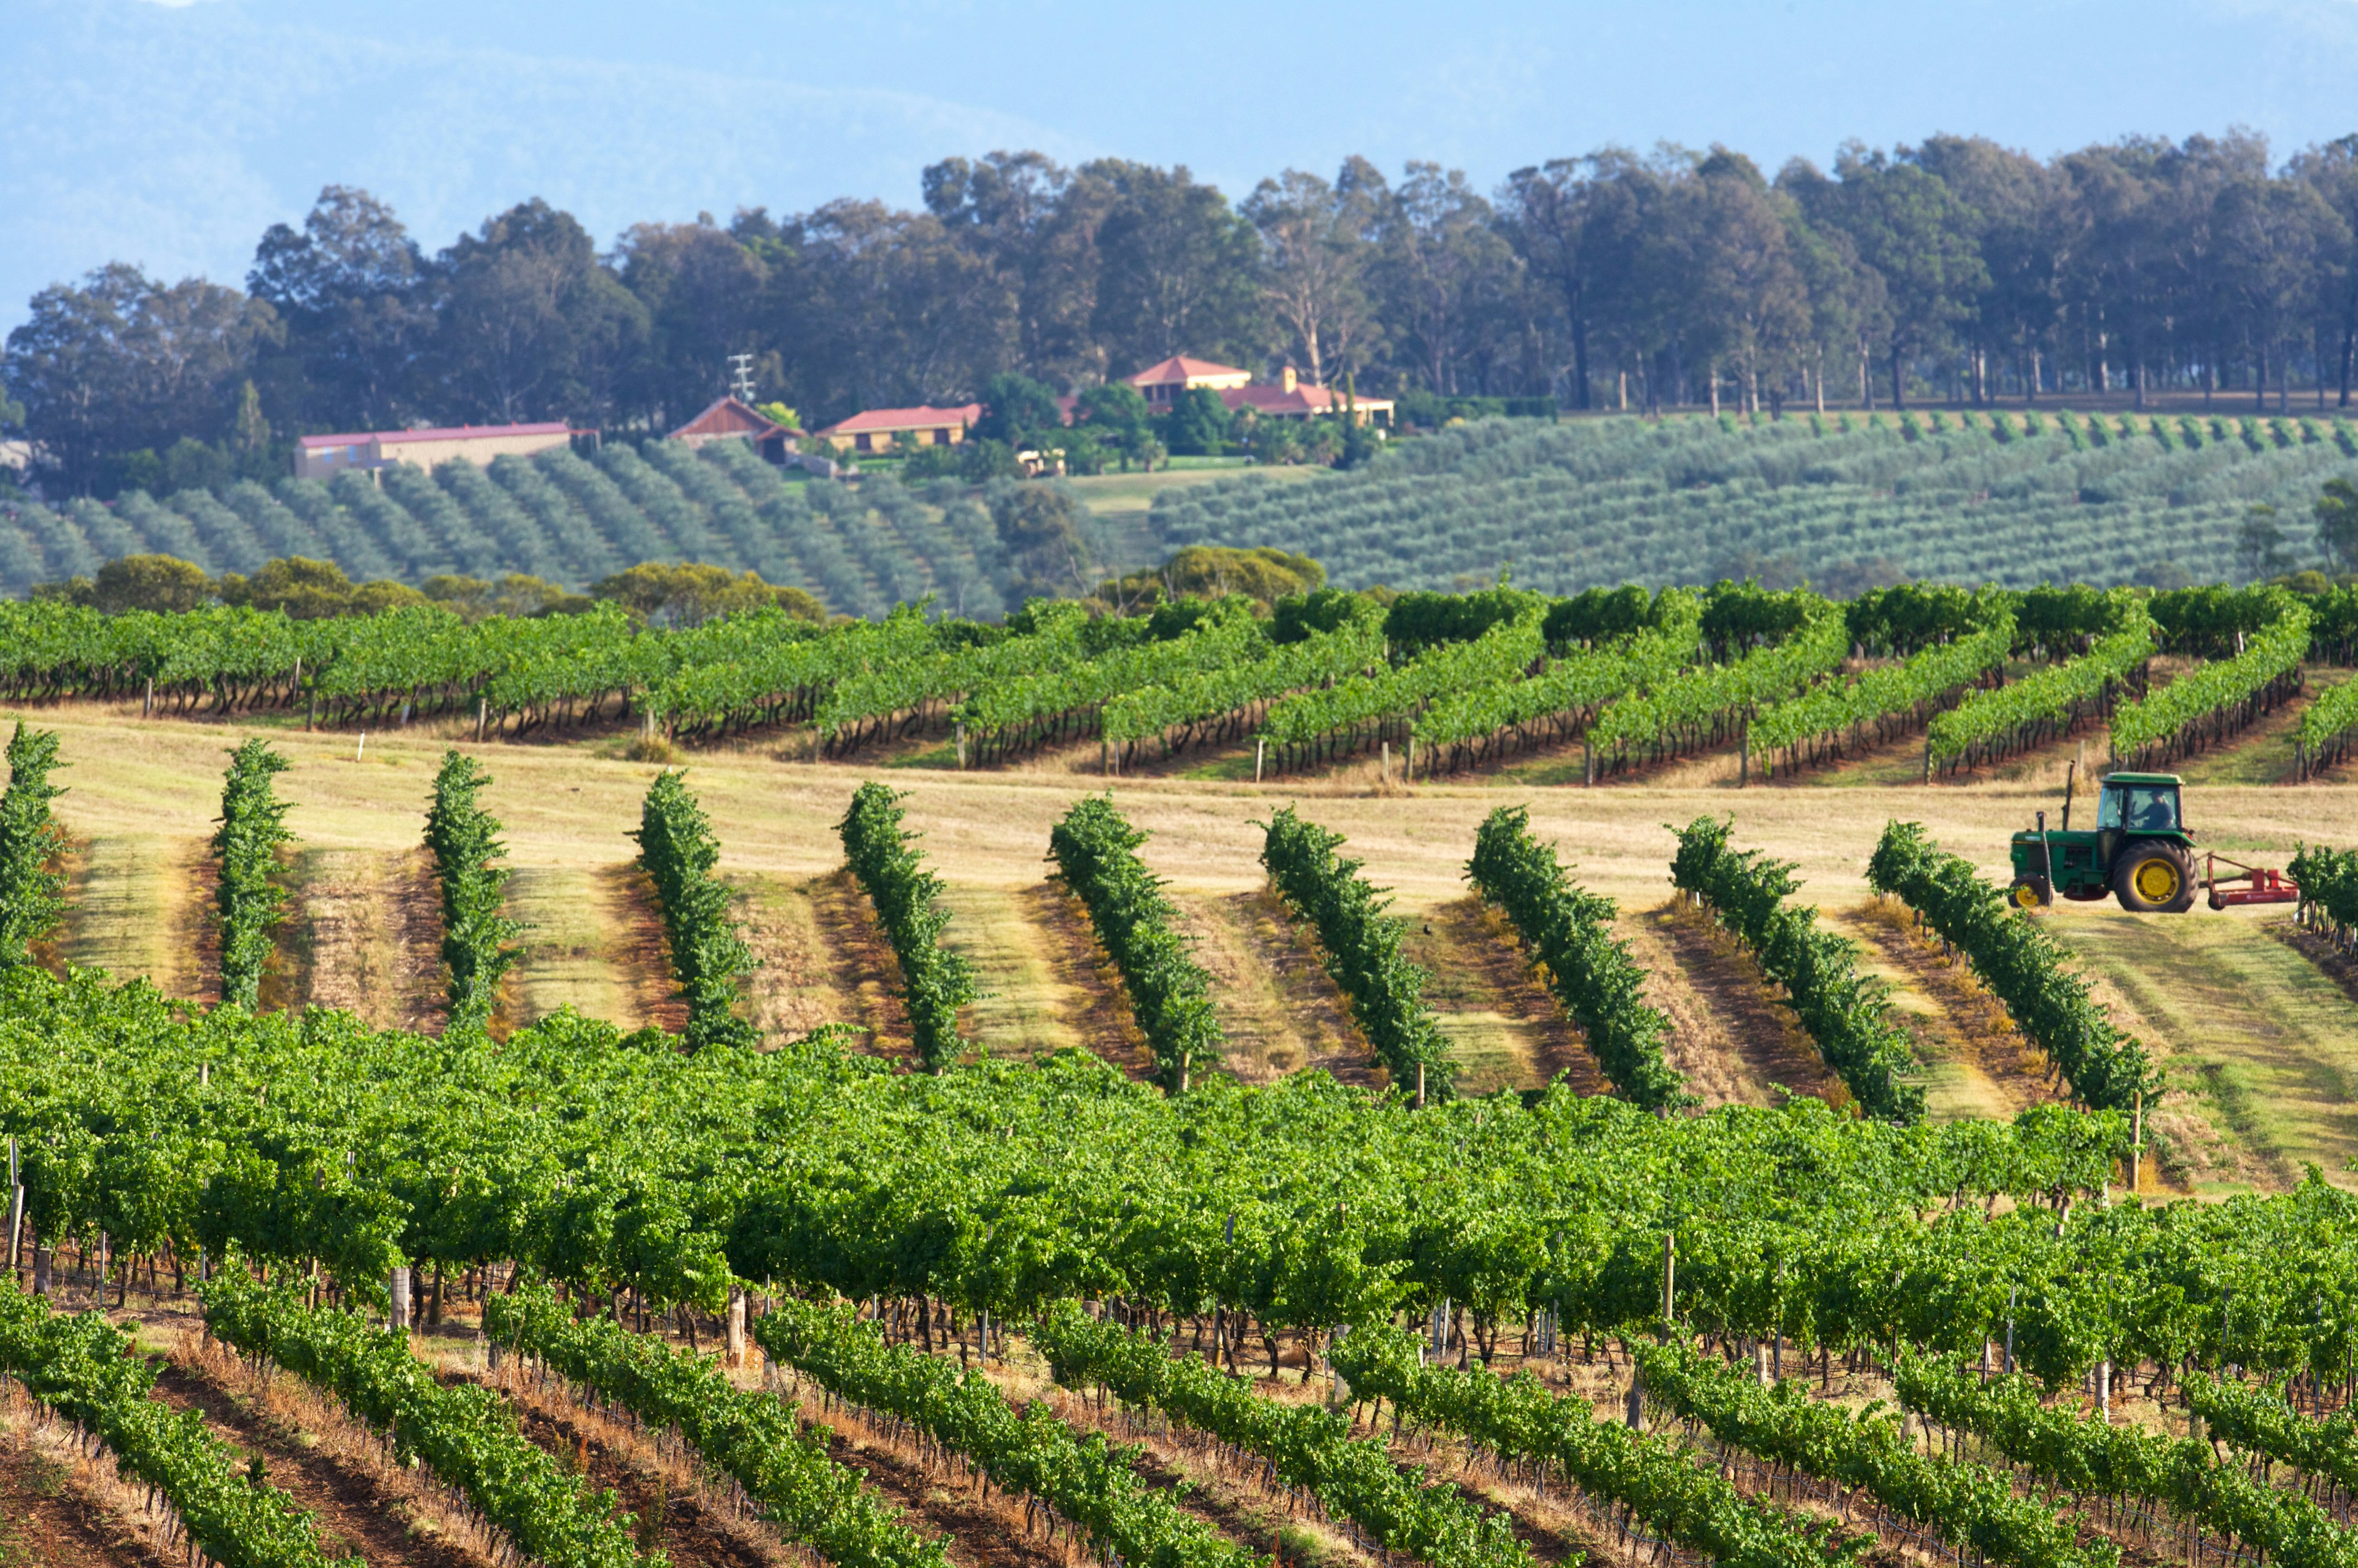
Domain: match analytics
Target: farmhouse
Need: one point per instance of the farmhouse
(1161, 385)
(879, 429)
(319, 456)
(1288, 398)
(728, 419)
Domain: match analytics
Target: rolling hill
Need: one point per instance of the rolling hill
(2012, 498)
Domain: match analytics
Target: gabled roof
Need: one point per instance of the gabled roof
(1304, 399)
(444, 433)
(1179, 369)
(920, 418)
(728, 416)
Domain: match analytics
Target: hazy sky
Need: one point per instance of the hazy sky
(172, 135)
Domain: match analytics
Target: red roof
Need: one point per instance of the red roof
(728, 416)
(904, 419)
(448, 433)
(1178, 370)
(1304, 399)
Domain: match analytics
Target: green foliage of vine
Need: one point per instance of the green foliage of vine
(1096, 852)
(1085, 1479)
(750, 1436)
(2021, 964)
(678, 851)
(32, 888)
(1360, 945)
(467, 1435)
(90, 1373)
(248, 903)
(464, 839)
(1569, 935)
(1307, 1446)
(1845, 1012)
(936, 982)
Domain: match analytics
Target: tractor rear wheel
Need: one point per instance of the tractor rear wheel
(2030, 893)
(2154, 878)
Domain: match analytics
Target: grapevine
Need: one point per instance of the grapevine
(678, 851)
(1307, 1446)
(248, 903)
(90, 1373)
(935, 981)
(1082, 1478)
(1846, 1014)
(1568, 933)
(751, 1437)
(465, 1434)
(2020, 963)
(464, 840)
(32, 890)
(1361, 948)
(1096, 854)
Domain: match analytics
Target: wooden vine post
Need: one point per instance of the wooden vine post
(2136, 1140)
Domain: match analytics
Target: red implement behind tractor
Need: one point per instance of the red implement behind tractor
(2267, 886)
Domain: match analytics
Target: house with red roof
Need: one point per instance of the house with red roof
(729, 419)
(1288, 398)
(319, 456)
(1161, 385)
(881, 429)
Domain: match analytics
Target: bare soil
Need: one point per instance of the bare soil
(355, 1508)
(1979, 1063)
(366, 937)
(52, 1514)
(694, 1525)
(1081, 969)
(1280, 1011)
(792, 990)
(1722, 1007)
(979, 1531)
(643, 955)
(1508, 1029)
(862, 969)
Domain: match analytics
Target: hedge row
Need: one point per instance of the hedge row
(1569, 934)
(248, 904)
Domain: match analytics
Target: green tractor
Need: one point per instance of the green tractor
(2139, 851)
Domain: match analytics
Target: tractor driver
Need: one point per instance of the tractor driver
(2146, 810)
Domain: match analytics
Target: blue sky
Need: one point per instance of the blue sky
(171, 135)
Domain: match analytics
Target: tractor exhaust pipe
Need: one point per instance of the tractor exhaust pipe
(2046, 858)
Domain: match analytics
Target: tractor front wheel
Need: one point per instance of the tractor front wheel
(2030, 893)
(2153, 878)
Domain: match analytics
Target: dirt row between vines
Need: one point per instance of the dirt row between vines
(362, 930)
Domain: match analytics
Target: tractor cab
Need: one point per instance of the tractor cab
(2139, 851)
